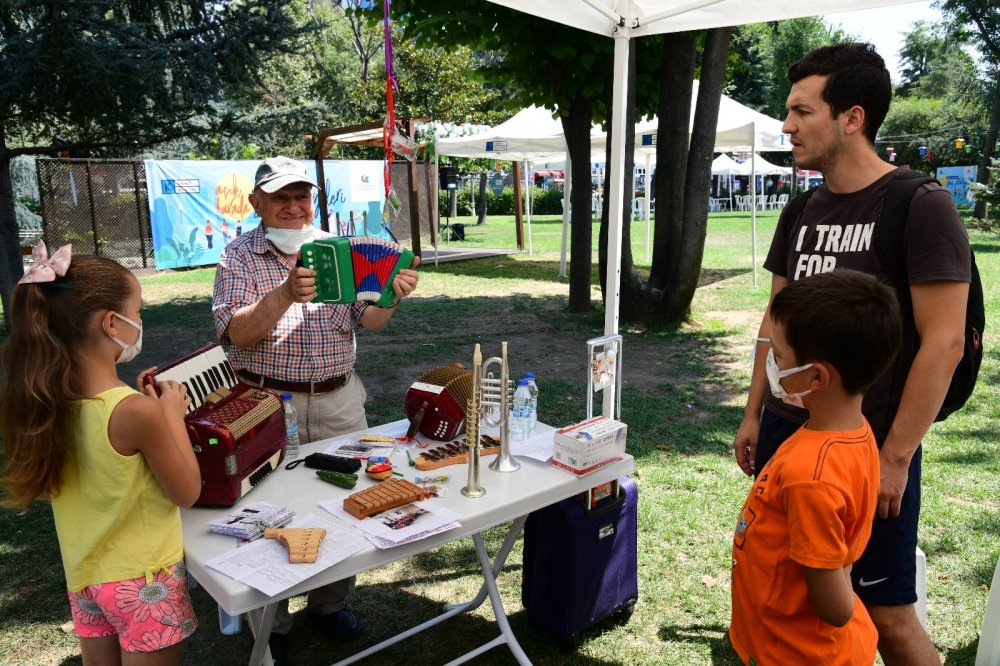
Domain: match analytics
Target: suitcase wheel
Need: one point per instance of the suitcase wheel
(625, 612)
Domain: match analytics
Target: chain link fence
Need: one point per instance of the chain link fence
(101, 207)
(98, 205)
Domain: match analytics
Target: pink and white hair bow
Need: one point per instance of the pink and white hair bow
(44, 268)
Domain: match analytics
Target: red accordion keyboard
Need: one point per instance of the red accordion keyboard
(237, 430)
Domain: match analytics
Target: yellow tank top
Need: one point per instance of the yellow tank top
(113, 519)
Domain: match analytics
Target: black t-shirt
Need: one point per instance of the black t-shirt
(838, 231)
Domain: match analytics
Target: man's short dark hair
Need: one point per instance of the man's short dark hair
(845, 318)
(856, 75)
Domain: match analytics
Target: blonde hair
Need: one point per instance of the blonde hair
(49, 321)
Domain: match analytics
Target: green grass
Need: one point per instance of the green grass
(683, 400)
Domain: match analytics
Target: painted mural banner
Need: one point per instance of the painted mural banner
(956, 180)
(197, 207)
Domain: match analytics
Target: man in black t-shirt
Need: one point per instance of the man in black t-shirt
(840, 95)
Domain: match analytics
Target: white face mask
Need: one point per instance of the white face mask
(774, 377)
(290, 241)
(129, 351)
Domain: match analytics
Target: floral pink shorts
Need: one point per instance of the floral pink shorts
(144, 617)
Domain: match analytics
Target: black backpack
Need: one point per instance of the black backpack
(889, 224)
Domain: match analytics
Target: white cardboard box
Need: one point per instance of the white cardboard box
(589, 445)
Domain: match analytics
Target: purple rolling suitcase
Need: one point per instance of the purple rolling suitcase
(580, 564)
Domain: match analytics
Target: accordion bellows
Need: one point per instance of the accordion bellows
(439, 399)
(355, 268)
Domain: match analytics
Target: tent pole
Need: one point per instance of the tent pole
(647, 206)
(529, 176)
(437, 199)
(567, 202)
(753, 203)
(616, 181)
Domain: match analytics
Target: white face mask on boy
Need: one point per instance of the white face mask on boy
(290, 241)
(774, 377)
(129, 351)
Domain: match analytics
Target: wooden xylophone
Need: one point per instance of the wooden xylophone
(356, 268)
(386, 495)
(454, 453)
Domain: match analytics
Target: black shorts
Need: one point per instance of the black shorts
(886, 574)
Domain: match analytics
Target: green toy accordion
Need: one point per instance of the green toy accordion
(355, 268)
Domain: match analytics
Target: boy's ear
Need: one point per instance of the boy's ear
(824, 375)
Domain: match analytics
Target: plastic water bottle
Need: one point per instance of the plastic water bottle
(520, 418)
(533, 390)
(291, 427)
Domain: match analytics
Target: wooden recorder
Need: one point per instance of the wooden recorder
(356, 268)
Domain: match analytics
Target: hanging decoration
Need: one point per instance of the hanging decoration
(392, 203)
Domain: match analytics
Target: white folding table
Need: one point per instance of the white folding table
(509, 497)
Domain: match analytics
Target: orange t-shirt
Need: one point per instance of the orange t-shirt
(812, 505)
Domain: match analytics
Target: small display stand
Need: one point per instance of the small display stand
(604, 356)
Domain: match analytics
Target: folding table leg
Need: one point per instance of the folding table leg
(261, 620)
(501, 557)
(506, 634)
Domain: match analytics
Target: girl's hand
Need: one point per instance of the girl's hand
(173, 397)
(140, 382)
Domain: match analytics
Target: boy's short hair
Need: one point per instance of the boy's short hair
(845, 318)
(856, 75)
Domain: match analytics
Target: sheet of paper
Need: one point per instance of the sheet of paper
(538, 446)
(400, 525)
(264, 565)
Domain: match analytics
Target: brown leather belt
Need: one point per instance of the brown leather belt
(325, 386)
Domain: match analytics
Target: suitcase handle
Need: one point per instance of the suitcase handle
(611, 502)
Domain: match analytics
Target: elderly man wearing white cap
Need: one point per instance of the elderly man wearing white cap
(279, 339)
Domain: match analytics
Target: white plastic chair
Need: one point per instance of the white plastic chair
(638, 208)
(772, 202)
(782, 200)
(988, 653)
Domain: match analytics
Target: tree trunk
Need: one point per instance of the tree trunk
(481, 208)
(576, 127)
(985, 162)
(674, 116)
(682, 278)
(11, 265)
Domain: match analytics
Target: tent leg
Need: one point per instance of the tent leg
(616, 183)
(567, 202)
(647, 203)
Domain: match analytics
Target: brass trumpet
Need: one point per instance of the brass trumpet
(497, 396)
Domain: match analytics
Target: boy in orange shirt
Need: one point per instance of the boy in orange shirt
(809, 514)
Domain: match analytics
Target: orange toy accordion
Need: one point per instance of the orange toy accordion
(356, 268)
(436, 402)
(237, 430)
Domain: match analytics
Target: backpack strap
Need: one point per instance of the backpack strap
(890, 223)
(792, 212)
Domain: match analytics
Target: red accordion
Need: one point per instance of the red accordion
(436, 402)
(237, 430)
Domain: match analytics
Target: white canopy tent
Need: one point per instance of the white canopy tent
(623, 19)
(531, 135)
(724, 165)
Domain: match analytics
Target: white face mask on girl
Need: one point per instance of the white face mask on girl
(129, 351)
(290, 241)
(774, 377)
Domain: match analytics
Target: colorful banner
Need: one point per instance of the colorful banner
(197, 207)
(956, 180)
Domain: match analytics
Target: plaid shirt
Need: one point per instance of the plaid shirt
(312, 342)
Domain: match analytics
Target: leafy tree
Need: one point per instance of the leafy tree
(984, 17)
(544, 63)
(925, 44)
(112, 77)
